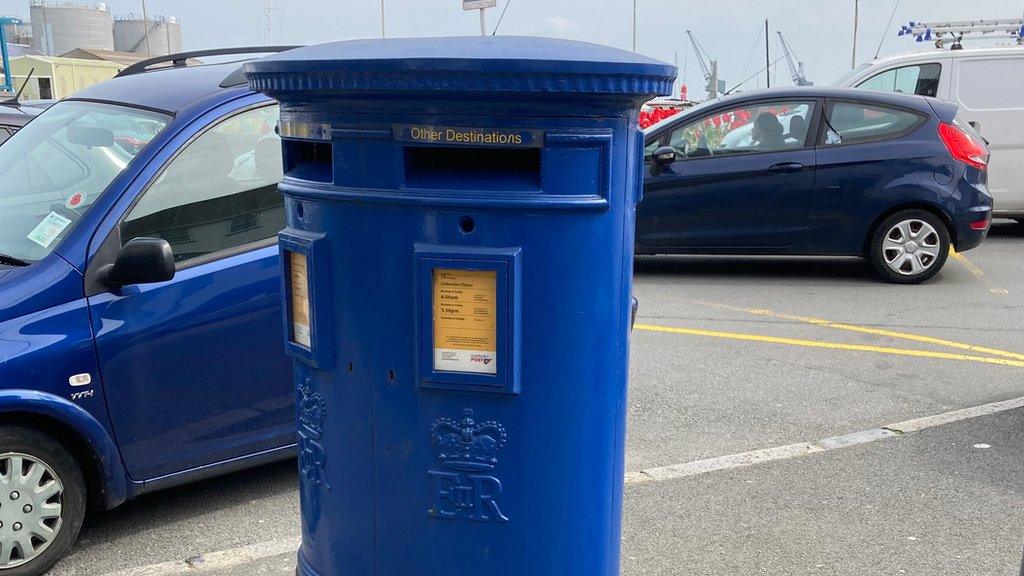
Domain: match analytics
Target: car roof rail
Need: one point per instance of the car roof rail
(180, 59)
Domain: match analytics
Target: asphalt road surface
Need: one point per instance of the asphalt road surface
(787, 416)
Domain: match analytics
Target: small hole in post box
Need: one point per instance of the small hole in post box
(466, 168)
(309, 160)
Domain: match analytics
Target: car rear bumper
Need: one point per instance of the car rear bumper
(972, 227)
(972, 223)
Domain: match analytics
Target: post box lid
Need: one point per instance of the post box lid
(502, 64)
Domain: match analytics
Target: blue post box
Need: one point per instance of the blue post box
(457, 279)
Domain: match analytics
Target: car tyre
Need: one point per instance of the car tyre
(38, 454)
(909, 247)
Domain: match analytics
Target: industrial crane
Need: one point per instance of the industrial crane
(796, 67)
(7, 85)
(714, 85)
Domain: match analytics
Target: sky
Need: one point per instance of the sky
(820, 32)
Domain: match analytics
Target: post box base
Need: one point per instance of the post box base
(303, 569)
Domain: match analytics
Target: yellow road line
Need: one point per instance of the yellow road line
(831, 345)
(868, 330)
(977, 272)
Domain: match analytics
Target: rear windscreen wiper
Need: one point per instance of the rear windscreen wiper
(12, 260)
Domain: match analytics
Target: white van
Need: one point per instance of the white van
(988, 84)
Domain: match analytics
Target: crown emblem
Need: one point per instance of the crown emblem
(466, 444)
(312, 410)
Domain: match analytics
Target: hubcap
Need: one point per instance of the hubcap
(911, 247)
(31, 501)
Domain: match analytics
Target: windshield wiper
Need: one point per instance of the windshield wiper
(12, 260)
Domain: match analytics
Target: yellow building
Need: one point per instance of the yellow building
(57, 77)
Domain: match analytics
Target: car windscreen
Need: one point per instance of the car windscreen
(55, 168)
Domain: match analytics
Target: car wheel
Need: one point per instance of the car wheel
(909, 247)
(42, 501)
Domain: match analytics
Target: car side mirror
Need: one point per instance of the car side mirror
(142, 261)
(661, 158)
(664, 155)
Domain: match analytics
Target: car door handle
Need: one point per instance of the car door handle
(785, 167)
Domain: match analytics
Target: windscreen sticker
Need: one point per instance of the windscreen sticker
(47, 231)
(465, 320)
(75, 200)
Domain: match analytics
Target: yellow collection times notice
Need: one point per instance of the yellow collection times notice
(300, 298)
(465, 320)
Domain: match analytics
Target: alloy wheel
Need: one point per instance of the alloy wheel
(31, 505)
(910, 247)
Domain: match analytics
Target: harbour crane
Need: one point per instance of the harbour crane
(709, 67)
(8, 84)
(796, 67)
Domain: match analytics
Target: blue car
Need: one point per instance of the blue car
(894, 178)
(140, 323)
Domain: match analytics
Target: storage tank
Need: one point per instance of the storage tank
(130, 34)
(59, 27)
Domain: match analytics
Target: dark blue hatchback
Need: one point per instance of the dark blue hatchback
(896, 179)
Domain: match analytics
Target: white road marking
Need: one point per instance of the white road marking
(675, 471)
(222, 559)
(955, 416)
(213, 561)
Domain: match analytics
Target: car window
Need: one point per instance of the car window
(990, 83)
(5, 133)
(851, 122)
(219, 193)
(762, 127)
(920, 79)
(55, 168)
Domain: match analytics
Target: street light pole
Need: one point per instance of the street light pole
(382, 32)
(145, 21)
(856, 17)
(483, 22)
(634, 25)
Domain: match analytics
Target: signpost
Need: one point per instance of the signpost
(480, 5)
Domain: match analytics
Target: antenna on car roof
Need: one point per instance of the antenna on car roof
(14, 100)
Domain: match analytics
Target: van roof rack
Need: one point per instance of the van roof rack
(180, 59)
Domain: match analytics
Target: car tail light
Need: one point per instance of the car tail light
(984, 223)
(964, 146)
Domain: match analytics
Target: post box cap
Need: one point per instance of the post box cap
(494, 64)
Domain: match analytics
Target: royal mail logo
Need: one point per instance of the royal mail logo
(484, 359)
(465, 448)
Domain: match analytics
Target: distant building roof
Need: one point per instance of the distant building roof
(125, 58)
(69, 61)
(15, 50)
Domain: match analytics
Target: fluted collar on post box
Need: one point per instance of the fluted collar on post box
(434, 67)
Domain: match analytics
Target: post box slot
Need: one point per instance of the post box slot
(470, 168)
(309, 160)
